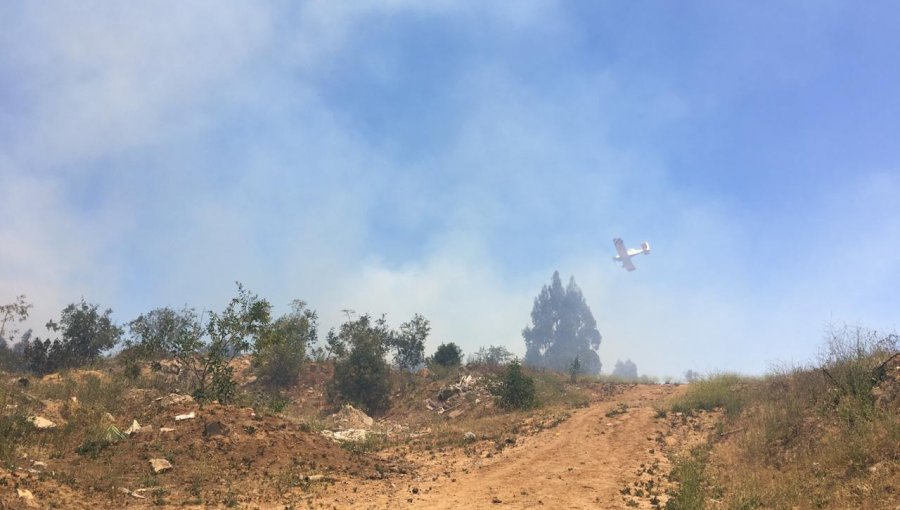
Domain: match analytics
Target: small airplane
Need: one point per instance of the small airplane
(624, 255)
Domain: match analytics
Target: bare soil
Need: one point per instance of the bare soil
(610, 454)
(591, 460)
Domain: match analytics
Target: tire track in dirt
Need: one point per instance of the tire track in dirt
(582, 463)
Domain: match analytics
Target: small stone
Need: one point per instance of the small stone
(415, 490)
(496, 500)
(41, 423)
(469, 437)
(189, 416)
(166, 429)
(28, 497)
(134, 428)
(160, 465)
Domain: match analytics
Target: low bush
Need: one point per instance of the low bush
(516, 389)
(727, 391)
(447, 355)
(363, 377)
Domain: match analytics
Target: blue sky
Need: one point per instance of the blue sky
(446, 157)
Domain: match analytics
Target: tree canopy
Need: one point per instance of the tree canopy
(562, 329)
(625, 369)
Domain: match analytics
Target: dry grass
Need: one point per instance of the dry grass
(808, 437)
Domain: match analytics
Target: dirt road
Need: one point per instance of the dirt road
(585, 462)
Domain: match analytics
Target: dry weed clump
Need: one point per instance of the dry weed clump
(810, 437)
(727, 391)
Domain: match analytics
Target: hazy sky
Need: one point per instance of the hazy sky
(446, 157)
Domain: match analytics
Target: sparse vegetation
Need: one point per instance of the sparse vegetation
(805, 436)
(491, 357)
(818, 436)
(726, 391)
(689, 471)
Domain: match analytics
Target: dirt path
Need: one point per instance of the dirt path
(584, 462)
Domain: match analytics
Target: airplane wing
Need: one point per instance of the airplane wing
(620, 248)
(626, 263)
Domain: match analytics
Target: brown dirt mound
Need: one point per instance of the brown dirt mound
(220, 447)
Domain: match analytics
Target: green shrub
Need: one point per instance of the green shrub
(689, 473)
(280, 349)
(516, 388)
(362, 377)
(84, 334)
(14, 428)
(447, 355)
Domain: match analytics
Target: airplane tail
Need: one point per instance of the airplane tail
(645, 247)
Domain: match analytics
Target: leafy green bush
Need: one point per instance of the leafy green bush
(84, 334)
(447, 355)
(280, 349)
(205, 346)
(516, 388)
(362, 377)
(409, 343)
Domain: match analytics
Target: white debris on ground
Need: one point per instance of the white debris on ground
(350, 425)
(40, 422)
(189, 416)
(454, 399)
(174, 398)
(160, 465)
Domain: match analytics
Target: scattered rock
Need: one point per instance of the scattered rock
(160, 465)
(27, 497)
(41, 423)
(350, 417)
(348, 435)
(23, 382)
(496, 500)
(455, 413)
(132, 493)
(166, 429)
(175, 398)
(189, 416)
(469, 437)
(134, 428)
